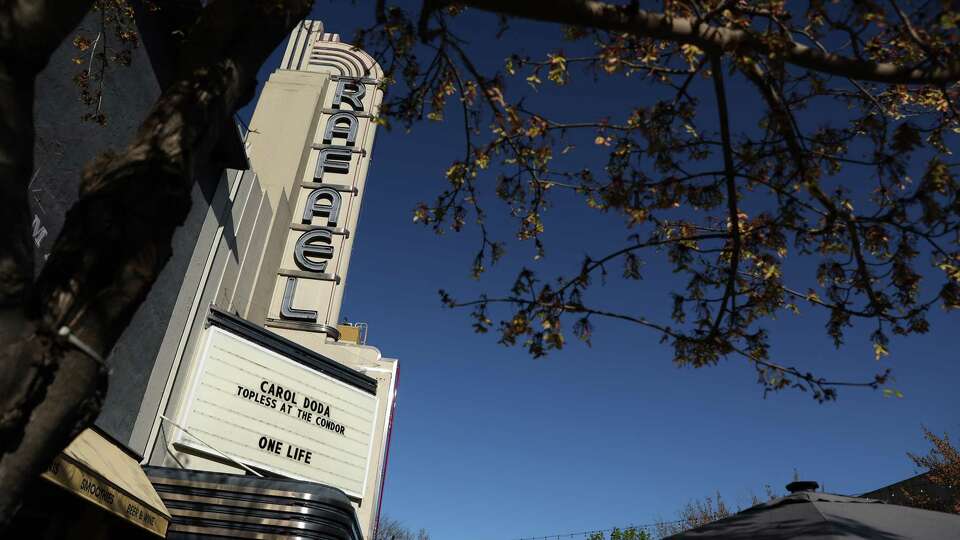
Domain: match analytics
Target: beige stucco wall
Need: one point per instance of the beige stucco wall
(223, 272)
(369, 361)
(291, 115)
(285, 116)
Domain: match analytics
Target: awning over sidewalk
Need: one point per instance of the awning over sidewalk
(98, 470)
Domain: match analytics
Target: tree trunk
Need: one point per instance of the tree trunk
(30, 30)
(117, 237)
(16, 163)
(68, 392)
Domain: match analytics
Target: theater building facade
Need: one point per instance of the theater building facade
(253, 412)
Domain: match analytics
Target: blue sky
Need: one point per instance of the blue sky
(491, 444)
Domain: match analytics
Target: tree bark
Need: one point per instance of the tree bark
(117, 237)
(29, 32)
(67, 391)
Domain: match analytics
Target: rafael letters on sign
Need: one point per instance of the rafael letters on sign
(314, 247)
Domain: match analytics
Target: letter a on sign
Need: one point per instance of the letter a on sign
(315, 208)
(341, 124)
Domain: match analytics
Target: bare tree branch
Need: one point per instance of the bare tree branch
(733, 210)
(642, 23)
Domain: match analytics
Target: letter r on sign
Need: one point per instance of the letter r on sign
(351, 91)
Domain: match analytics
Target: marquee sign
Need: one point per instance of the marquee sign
(326, 209)
(266, 410)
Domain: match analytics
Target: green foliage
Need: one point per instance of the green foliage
(630, 533)
(942, 462)
(696, 513)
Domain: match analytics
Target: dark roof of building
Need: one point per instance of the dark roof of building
(825, 516)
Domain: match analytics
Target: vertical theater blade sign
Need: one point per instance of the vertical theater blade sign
(322, 215)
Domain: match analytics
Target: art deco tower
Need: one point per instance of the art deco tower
(310, 142)
(258, 378)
